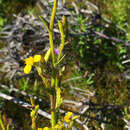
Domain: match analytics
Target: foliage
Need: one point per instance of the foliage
(10, 7)
(99, 64)
(119, 14)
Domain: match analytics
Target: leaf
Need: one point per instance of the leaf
(44, 22)
(59, 60)
(39, 70)
(47, 55)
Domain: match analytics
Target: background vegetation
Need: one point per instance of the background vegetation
(98, 57)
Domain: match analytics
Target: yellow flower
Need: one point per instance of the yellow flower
(45, 128)
(40, 128)
(27, 69)
(37, 58)
(29, 63)
(68, 117)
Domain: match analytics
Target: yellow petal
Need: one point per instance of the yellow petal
(69, 114)
(37, 58)
(66, 119)
(45, 128)
(29, 61)
(27, 69)
(40, 128)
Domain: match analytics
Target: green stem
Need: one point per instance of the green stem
(53, 14)
(62, 39)
(52, 46)
(1, 123)
(53, 112)
(51, 30)
(53, 96)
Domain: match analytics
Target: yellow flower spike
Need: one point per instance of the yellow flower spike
(68, 116)
(29, 61)
(37, 58)
(27, 69)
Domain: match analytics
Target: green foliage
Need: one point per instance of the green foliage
(23, 83)
(10, 7)
(1, 123)
(127, 113)
(99, 56)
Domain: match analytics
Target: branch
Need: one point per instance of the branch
(24, 104)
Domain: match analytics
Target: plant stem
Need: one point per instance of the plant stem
(53, 116)
(53, 95)
(1, 123)
(51, 30)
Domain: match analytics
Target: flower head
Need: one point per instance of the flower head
(46, 128)
(67, 117)
(29, 63)
(56, 50)
(27, 69)
(37, 58)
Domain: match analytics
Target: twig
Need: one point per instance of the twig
(24, 104)
(126, 61)
(29, 107)
(111, 38)
(71, 79)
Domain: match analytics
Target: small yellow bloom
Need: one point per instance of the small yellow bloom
(45, 128)
(29, 61)
(40, 128)
(27, 69)
(37, 58)
(68, 117)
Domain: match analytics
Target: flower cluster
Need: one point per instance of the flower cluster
(45, 128)
(68, 117)
(30, 62)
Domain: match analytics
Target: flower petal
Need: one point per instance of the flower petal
(40, 128)
(27, 69)
(68, 116)
(57, 51)
(66, 119)
(37, 58)
(46, 128)
(29, 61)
